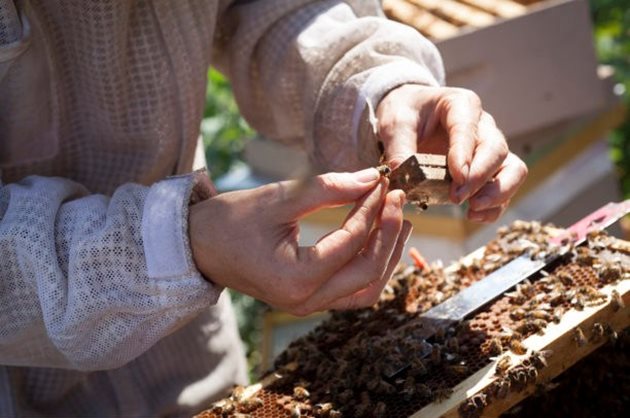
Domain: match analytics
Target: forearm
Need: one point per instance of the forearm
(83, 284)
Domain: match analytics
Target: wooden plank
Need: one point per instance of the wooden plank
(431, 159)
(458, 13)
(585, 136)
(558, 338)
(501, 8)
(425, 22)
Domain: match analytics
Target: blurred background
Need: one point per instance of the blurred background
(225, 134)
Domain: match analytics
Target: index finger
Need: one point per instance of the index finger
(490, 153)
(460, 113)
(334, 250)
(398, 129)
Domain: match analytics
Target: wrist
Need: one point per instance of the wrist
(197, 233)
(201, 195)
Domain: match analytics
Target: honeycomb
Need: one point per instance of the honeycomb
(350, 365)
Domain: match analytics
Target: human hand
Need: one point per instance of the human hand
(451, 121)
(248, 241)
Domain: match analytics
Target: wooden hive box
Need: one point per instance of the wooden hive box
(532, 62)
(482, 368)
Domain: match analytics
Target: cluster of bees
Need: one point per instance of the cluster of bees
(509, 378)
(355, 364)
(237, 405)
(598, 385)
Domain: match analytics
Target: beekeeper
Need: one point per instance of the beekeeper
(113, 255)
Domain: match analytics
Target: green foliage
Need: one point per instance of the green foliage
(224, 134)
(249, 312)
(223, 129)
(612, 35)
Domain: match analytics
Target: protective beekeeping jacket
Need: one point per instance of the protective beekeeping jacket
(102, 310)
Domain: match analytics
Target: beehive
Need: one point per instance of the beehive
(532, 62)
(483, 365)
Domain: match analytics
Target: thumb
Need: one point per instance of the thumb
(329, 190)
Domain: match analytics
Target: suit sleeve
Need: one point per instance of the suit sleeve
(90, 282)
(303, 71)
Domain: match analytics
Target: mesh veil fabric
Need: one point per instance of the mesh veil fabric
(10, 28)
(98, 314)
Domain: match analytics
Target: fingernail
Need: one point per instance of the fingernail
(482, 202)
(369, 175)
(475, 216)
(409, 231)
(462, 193)
(465, 170)
(401, 199)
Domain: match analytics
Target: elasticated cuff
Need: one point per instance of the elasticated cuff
(165, 224)
(381, 81)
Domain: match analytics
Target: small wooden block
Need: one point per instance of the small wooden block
(424, 178)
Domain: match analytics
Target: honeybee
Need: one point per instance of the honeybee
(532, 373)
(578, 337)
(458, 369)
(364, 407)
(283, 400)
(436, 354)
(539, 358)
(516, 297)
(502, 388)
(417, 367)
(346, 396)
(556, 297)
(532, 326)
(322, 409)
(611, 333)
(384, 170)
(226, 407)
(597, 332)
(452, 344)
(380, 410)
(300, 393)
(557, 315)
(334, 414)
(565, 277)
(250, 404)
(519, 378)
(609, 273)
(503, 365)
(518, 314)
(382, 387)
(495, 347)
(540, 314)
(480, 400)
(219, 409)
(517, 347)
(423, 390)
(616, 300)
(296, 412)
(237, 393)
(441, 394)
